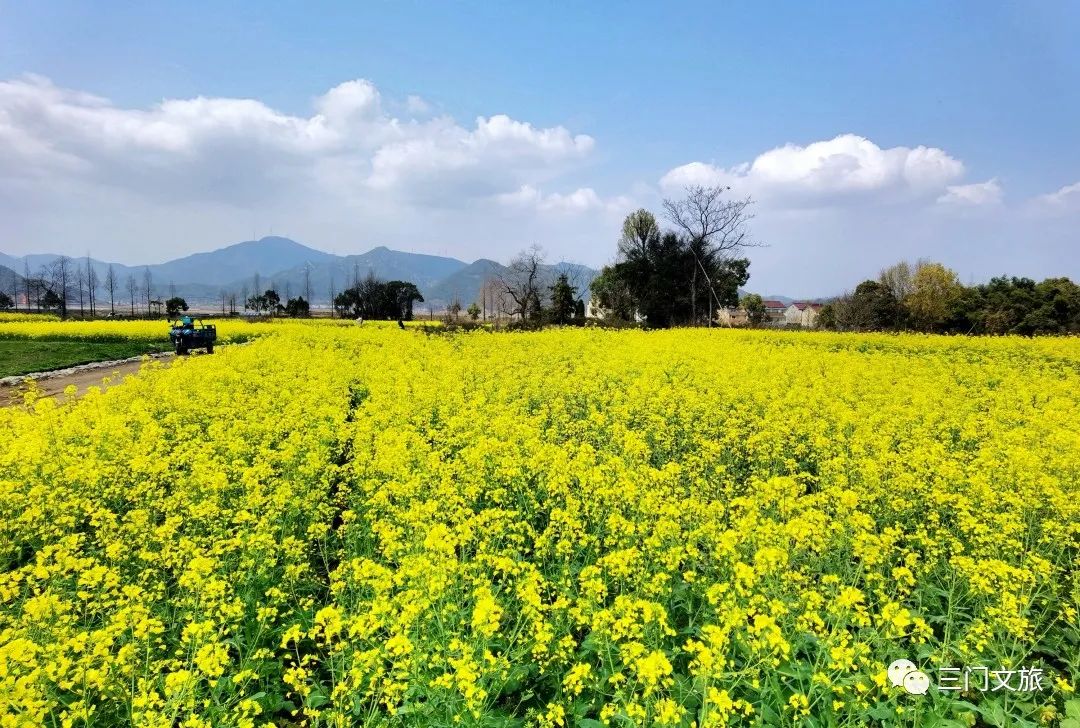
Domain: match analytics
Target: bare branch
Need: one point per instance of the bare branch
(717, 225)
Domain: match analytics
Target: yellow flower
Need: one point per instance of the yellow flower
(486, 613)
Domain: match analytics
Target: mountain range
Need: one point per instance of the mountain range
(289, 267)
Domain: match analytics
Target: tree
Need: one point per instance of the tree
(132, 289)
(639, 230)
(266, 302)
(473, 311)
(493, 298)
(873, 307)
(579, 311)
(657, 280)
(897, 280)
(375, 299)
(562, 300)
(298, 307)
(60, 279)
(826, 318)
(91, 284)
(148, 288)
(110, 287)
(51, 300)
(613, 294)
(27, 282)
(6, 301)
(522, 282)
(1017, 306)
(273, 301)
(174, 306)
(715, 229)
(934, 288)
(453, 309)
(754, 306)
(307, 283)
(400, 298)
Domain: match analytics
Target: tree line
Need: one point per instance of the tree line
(59, 286)
(928, 296)
(66, 284)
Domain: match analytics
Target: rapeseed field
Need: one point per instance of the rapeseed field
(337, 526)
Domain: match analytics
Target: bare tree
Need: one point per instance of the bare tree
(487, 297)
(60, 277)
(148, 287)
(42, 284)
(522, 281)
(132, 289)
(26, 281)
(717, 228)
(110, 286)
(307, 282)
(898, 279)
(91, 285)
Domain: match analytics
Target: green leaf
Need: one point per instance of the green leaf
(1072, 708)
(994, 714)
(589, 723)
(882, 711)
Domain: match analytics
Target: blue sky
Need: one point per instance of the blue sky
(942, 130)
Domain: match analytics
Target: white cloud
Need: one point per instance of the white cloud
(416, 105)
(977, 194)
(78, 171)
(1066, 199)
(828, 172)
(446, 161)
(241, 150)
(581, 200)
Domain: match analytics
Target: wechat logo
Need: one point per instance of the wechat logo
(904, 674)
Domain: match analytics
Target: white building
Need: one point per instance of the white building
(802, 313)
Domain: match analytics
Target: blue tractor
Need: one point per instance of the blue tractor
(189, 333)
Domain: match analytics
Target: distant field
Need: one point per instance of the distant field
(24, 357)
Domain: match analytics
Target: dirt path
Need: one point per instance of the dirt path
(82, 377)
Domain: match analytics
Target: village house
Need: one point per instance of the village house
(594, 310)
(732, 316)
(802, 313)
(774, 310)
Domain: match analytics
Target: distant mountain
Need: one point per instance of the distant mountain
(198, 277)
(340, 271)
(10, 281)
(288, 267)
(220, 267)
(465, 285)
